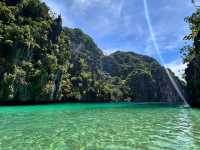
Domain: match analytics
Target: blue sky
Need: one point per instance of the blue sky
(123, 25)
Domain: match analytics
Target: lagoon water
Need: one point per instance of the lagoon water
(99, 127)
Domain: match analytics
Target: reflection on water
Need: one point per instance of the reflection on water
(99, 126)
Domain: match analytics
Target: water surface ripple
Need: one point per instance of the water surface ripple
(99, 127)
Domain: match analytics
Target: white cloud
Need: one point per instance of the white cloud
(120, 24)
(149, 49)
(177, 67)
(58, 8)
(103, 17)
(110, 51)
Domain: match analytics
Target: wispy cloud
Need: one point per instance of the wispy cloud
(177, 67)
(59, 9)
(121, 24)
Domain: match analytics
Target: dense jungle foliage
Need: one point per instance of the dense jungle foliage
(36, 63)
(42, 61)
(191, 54)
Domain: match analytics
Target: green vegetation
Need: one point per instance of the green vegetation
(37, 65)
(90, 83)
(33, 50)
(145, 77)
(41, 61)
(191, 55)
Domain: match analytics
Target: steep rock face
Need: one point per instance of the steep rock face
(143, 86)
(33, 50)
(89, 82)
(123, 63)
(145, 76)
(82, 45)
(164, 87)
(193, 80)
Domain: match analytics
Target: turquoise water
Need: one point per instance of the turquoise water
(99, 127)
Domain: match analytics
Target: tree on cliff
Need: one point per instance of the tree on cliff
(191, 55)
(32, 64)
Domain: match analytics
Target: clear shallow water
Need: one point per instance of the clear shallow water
(99, 127)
